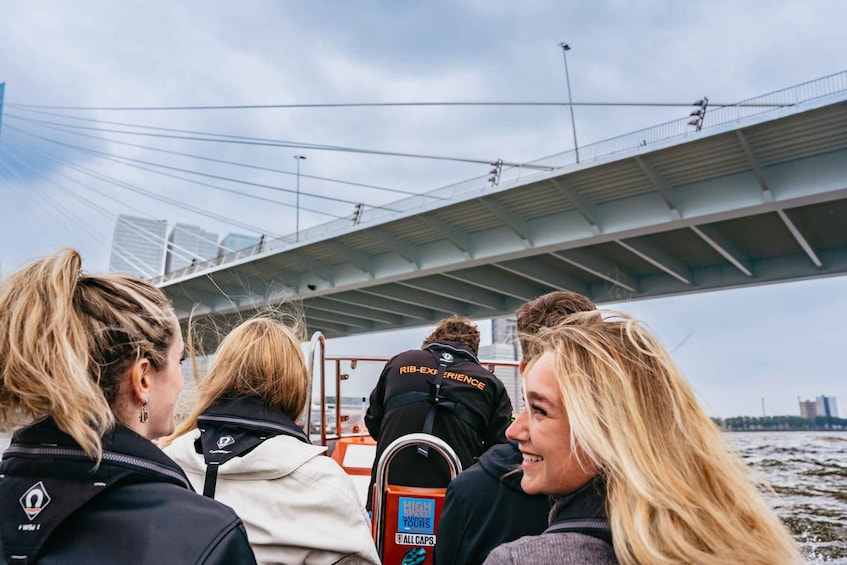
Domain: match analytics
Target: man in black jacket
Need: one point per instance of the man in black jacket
(440, 389)
(485, 505)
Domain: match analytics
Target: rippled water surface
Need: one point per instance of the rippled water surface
(808, 471)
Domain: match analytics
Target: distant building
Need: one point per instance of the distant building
(827, 406)
(808, 409)
(189, 243)
(504, 347)
(138, 246)
(236, 242)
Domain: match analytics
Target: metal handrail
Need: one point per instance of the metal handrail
(384, 462)
(318, 341)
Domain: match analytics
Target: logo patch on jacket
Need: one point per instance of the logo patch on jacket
(223, 441)
(446, 357)
(34, 500)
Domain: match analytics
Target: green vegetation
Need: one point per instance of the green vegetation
(779, 423)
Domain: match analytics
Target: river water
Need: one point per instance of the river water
(808, 473)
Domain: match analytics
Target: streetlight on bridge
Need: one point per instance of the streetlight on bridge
(298, 158)
(565, 48)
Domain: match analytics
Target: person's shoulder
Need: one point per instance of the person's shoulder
(548, 549)
(175, 501)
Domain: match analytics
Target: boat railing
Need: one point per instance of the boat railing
(357, 372)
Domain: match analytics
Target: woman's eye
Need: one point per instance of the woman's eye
(537, 410)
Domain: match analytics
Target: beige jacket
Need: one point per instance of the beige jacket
(297, 504)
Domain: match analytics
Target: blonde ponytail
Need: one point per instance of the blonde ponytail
(66, 341)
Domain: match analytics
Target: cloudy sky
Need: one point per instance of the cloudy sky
(64, 183)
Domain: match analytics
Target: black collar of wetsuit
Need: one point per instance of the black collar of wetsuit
(232, 427)
(456, 350)
(122, 449)
(587, 502)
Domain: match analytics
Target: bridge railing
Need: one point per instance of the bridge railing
(513, 176)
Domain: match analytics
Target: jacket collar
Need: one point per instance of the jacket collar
(587, 502)
(457, 349)
(122, 449)
(233, 427)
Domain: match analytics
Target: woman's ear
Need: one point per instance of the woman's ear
(140, 374)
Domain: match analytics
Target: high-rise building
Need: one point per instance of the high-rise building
(138, 246)
(504, 347)
(508, 375)
(808, 409)
(236, 242)
(189, 243)
(827, 406)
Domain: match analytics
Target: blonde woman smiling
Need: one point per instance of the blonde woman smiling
(639, 472)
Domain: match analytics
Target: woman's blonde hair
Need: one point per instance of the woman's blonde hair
(675, 493)
(260, 358)
(67, 340)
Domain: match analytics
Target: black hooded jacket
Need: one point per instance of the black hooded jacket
(136, 507)
(485, 507)
(480, 394)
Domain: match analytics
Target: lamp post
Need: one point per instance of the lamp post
(565, 48)
(298, 158)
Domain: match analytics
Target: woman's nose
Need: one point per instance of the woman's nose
(517, 430)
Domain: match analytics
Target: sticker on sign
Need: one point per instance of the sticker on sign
(413, 539)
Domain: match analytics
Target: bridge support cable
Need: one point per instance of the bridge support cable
(127, 186)
(99, 236)
(141, 232)
(212, 137)
(60, 127)
(128, 161)
(181, 252)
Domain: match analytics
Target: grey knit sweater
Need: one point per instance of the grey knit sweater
(554, 549)
(566, 547)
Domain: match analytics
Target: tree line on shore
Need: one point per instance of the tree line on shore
(781, 423)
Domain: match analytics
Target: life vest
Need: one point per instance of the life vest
(445, 356)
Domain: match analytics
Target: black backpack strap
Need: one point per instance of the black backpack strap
(595, 527)
(211, 480)
(434, 398)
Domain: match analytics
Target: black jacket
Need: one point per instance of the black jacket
(466, 383)
(136, 507)
(485, 507)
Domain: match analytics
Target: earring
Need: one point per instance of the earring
(143, 416)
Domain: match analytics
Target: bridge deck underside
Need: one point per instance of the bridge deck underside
(759, 203)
